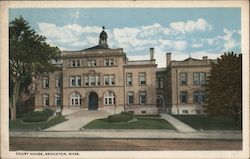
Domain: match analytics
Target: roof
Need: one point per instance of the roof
(97, 47)
(192, 59)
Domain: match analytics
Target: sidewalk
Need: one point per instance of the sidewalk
(77, 120)
(179, 125)
(132, 134)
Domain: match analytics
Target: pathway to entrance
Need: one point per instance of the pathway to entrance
(78, 119)
(179, 125)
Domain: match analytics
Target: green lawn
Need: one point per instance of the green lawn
(141, 123)
(209, 123)
(18, 124)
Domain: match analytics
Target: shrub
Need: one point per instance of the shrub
(35, 119)
(33, 114)
(48, 112)
(131, 114)
(123, 117)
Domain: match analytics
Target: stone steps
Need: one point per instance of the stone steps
(90, 113)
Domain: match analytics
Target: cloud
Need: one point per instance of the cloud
(177, 37)
(197, 45)
(130, 38)
(229, 43)
(75, 15)
(71, 35)
(191, 26)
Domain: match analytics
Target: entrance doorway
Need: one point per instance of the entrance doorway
(160, 101)
(93, 101)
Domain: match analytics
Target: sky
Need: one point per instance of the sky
(184, 32)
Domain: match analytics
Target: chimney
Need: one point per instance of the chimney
(168, 58)
(204, 57)
(151, 50)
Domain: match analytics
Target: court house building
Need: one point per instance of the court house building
(102, 78)
(99, 78)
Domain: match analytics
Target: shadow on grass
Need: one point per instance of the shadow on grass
(18, 124)
(206, 122)
(140, 123)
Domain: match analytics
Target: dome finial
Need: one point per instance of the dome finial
(103, 27)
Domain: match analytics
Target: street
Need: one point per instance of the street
(108, 144)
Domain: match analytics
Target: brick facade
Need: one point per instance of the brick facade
(95, 78)
(184, 81)
(99, 78)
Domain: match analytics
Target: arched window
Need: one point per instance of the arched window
(75, 99)
(109, 98)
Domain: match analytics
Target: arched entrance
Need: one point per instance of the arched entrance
(160, 101)
(93, 101)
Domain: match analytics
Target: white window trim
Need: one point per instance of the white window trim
(109, 77)
(91, 62)
(75, 63)
(129, 79)
(77, 79)
(45, 81)
(45, 99)
(130, 94)
(109, 98)
(57, 97)
(145, 94)
(141, 76)
(57, 82)
(75, 97)
(109, 62)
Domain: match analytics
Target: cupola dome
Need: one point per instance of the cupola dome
(103, 38)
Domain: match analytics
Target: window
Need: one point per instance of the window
(109, 62)
(75, 63)
(129, 79)
(92, 80)
(57, 99)
(109, 80)
(97, 80)
(86, 79)
(45, 82)
(75, 99)
(184, 97)
(130, 97)
(106, 80)
(91, 62)
(142, 78)
(58, 83)
(183, 78)
(199, 78)
(109, 98)
(112, 79)
(45, 100)
(199, 97)
(75, 81)
(202, 78)
(142, 97)
(159, 83)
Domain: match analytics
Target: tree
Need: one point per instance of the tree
(29, 55)
(224, 87)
